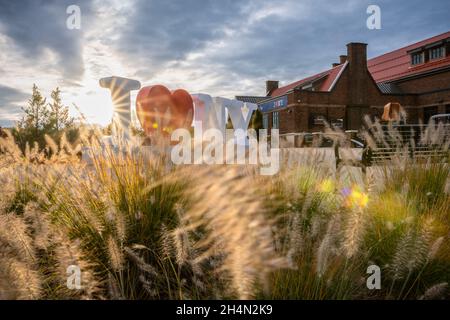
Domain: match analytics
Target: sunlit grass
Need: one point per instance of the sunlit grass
(141, 228)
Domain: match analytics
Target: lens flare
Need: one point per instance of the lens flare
(326, 185)
(354, 197)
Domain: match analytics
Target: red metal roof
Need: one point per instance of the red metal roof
(387, 67)
(329, 82)
(330, 75)
(397, 64)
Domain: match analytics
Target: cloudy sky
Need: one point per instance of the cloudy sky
(223, 47)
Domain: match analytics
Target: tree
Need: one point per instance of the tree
(59, 117)
(42, 118)
(36, 113)
(229, 124)
(2, 133)
(256, 121)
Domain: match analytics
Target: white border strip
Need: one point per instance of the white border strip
(338, 76)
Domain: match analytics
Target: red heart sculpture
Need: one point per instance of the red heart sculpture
(158, 109)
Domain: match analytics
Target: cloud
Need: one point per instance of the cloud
(232, 45)
(6, 123)
(236, 45)
(10, 100)
(38, 28)
(160, 31)
(224, 48)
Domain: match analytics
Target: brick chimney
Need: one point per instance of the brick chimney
(271, 85)
(358, 74)
(357, 52)
(342, 59)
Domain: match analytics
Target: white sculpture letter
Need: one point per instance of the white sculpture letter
(208, 112)
(120, 93)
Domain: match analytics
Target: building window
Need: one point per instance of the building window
(265, 121)
(428, 112)
(437, 53)
(318, 120)
(417, 58)
(275, 120)
(337, 123)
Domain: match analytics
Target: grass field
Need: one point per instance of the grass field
(140, 228)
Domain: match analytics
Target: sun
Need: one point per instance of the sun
(92, 104)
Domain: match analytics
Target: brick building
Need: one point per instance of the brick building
(416, 76)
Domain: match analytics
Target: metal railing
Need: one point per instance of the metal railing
(415, 141)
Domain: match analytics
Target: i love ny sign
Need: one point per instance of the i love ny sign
(162, 110)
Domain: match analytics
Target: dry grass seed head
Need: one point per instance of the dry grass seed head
(233, 215)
